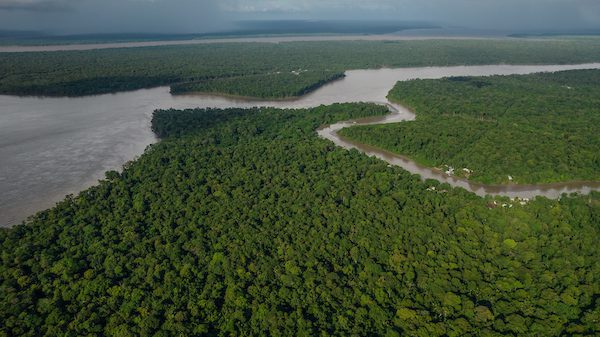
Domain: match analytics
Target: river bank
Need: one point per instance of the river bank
(400, 114)
(51, 147)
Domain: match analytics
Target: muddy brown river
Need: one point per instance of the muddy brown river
(50, 147)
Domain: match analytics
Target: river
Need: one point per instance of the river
(266, 39)
(50, 147)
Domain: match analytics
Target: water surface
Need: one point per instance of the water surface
(398, 114)
(50, 147)
(267, 39)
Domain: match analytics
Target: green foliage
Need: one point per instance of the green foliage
(244, 222)
(510, 243)
(536, 128)
(406, 314)
(78, 73)
(276, 85)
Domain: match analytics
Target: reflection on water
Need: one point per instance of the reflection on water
(50, 147)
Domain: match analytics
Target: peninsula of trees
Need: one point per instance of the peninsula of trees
(538, 128)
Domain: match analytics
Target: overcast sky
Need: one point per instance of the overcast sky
(193, 16)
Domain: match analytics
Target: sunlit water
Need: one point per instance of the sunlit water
(50, 147)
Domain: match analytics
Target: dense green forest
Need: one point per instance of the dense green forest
(78, 73)
(244, 222)
(276, 85)
(536, 128)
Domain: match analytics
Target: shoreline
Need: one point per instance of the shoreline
(399, 114)
(243, 98)
(267, 39)
(76, 140)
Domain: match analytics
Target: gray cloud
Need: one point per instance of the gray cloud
(109, 16)
(34, 5)
(85, 16)
(505, 14)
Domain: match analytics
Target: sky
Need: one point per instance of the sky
(197, 16)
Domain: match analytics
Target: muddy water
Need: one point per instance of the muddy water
(269, 39)
(50, 147)
(399, 114)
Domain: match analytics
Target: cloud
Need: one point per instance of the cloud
(506, 14)
(34, 5)
(111, 16)
(303, 6)
(294, 5)
(84, 16)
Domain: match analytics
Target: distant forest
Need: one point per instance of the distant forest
(79, 73)
(247, 28)
(537, 128)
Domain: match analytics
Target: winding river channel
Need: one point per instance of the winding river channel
(50, 147)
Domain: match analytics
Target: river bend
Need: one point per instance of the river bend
(50, 147)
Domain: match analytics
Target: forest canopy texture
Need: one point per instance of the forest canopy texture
(209, 68)
(244, 222)
(538, 128)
